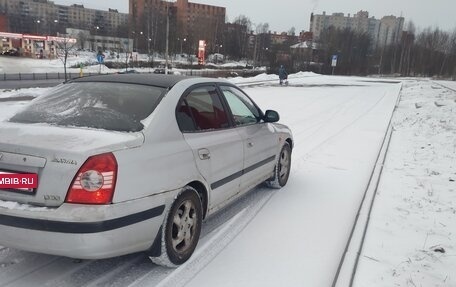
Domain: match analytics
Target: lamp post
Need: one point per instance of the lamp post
(218, 46)
(37, 24)
(167, 38)
(54, 30)
(148, 53)
(96, 36)
(182, 40)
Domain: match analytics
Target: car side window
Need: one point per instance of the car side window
(243, 109)
(202, 110)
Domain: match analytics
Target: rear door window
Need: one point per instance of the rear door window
(202, 110)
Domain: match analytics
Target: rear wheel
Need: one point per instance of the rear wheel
(181, 229)
(282, 168)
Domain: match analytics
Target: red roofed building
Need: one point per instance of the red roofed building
(3, 23)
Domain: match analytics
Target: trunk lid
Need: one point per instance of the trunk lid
(55, 154)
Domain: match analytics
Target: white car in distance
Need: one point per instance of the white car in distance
(129, 163)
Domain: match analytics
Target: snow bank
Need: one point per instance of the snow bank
(411, 239)
(20, 93)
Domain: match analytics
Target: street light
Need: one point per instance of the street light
(218, 46)
(179, 39)
(37, 23)
(148, 52)
(167, 38)
(54, 27)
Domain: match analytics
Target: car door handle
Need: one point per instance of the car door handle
(204, 154)
(250, 143)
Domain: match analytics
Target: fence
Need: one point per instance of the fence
(39, 76)
(61, 76)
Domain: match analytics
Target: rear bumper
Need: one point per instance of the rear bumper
(84, 231)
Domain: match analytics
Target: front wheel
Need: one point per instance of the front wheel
(282, 168)
(181, 229)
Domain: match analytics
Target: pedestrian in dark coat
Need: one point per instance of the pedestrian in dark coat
(283, 76)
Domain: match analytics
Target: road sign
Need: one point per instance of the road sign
(334, 60)
(100, 58)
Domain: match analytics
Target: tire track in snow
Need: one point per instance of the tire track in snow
(23, 261)
(302, 155)
(444, 86)
(49, 273)
(212, 244)
(121, 271)
(91, 271)
(348, 264)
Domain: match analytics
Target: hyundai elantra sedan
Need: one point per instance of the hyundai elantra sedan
(128, 163)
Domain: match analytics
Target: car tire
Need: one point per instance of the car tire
(181, 229)
(282, 168)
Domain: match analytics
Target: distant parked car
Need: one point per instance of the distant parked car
(159, 70)
(162, 70)
(129, 163)
(131, 71)
(11, 52)
(232, 74)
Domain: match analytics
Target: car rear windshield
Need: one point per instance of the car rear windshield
(109, 106)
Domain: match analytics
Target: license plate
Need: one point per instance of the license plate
(18, 182)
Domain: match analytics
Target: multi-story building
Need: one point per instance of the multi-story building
(390, 30)
(382, 32)
(189, 21)
(45, 17)
(87, 41)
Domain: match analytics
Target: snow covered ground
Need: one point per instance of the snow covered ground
(411, 240)
(296, 236)
(14, 65)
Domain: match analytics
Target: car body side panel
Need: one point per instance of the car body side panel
(223, 169)
(153, 168)
(260, 143)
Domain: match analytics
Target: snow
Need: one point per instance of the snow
(19, 206)
(411, 241)
(296, 236)
(28, 93)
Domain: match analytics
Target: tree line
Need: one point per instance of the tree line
(430, 52)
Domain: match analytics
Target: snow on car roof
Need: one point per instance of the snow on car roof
(165, 81)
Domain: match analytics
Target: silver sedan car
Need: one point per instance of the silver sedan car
(129, 163)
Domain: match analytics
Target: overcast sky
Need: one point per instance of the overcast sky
(284, 14)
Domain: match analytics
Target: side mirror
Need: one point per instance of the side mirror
(271, 116)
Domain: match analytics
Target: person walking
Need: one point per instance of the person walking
(283, 76)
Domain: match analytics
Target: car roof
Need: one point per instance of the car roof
(165, 81)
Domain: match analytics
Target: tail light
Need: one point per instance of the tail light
(95, 181)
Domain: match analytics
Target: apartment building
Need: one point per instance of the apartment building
(45, 17)
(382, 31)
(390, 30)
(189, 21)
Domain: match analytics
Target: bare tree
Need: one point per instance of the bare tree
(65, 45)
(243, 27)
